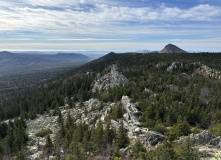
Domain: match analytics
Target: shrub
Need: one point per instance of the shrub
(43, 133)
(216, 130)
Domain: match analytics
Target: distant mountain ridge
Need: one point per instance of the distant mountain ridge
(171, 48)
(112, 55)
(14, 61)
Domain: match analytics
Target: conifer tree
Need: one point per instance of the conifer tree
(98, 135)
(122, 137)
(138, 149)
(20, 156)
(187, 151)
(119, 112)
(48, 145)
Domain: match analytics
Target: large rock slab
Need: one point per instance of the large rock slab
(153, 138)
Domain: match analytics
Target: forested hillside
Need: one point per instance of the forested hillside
(19, 72)
(174, 94)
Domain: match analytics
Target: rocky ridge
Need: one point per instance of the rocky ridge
(90, 110)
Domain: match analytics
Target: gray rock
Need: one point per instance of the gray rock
(126, 116)
(128, 106)
(115, 124)
(174, 66)
(199, 139)
(153, 138)
(215, 142)
(125, 152)
(206, 71)
(202, 138)
(93, 102)
(132, 113)
(109, 80)
(183, 75)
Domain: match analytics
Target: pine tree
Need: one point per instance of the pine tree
(109, 134)
(20, 156)
(138, 149)
(122, 137)
(98, 135)
(187, 151)
(119, 112)
(48, 145)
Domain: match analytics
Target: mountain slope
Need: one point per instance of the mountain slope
(159, 96)
(10, 62)
(112, 55)
(170, 48)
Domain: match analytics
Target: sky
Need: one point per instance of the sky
(109, 25)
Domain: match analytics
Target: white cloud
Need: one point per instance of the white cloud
(88, 39)
(102, 15)
(103, 19)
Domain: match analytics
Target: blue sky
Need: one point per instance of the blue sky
(112, 25)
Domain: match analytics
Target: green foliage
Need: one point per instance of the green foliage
(159, 128)
(195, 130)
(166, 99)
(117, 154)
(77, 152)
(119, 112)
(14, 137)
(98, 135)
(48, 145)
(122, 137)
(164, 152)
(181, 129)
(1, 147)
(20, 156)
(43, 133)
(187, 151)
(139, 151)
(170, 151)
(216, 130)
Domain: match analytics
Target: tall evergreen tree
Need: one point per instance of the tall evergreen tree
(122, 137)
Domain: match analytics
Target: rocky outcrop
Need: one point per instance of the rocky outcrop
(110, 80)
(170, 48)
(34, 126)
(206, 71)
(125, 152)
(216, 142)
(175, 66)
(202, 138)
(86, 113)
(92, 104)
(197, 68)
(132, 113)
(153, 138)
